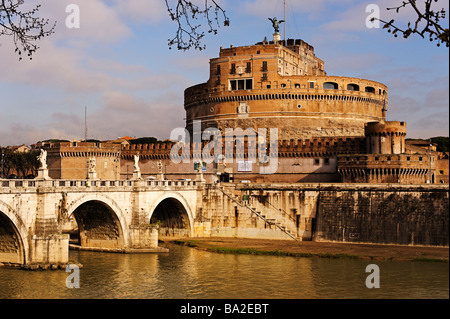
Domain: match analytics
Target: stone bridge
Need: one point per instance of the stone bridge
(38, 217)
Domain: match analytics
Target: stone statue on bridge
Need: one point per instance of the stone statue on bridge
(92, 173)
(43, 169)
(136, 163)
(92, 164)
(137, 169)
(160, 171)
(43, 159)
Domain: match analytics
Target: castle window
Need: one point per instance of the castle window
(233, 68)
(297, 85)
(311, 85)
(353, 87)
(327, 161)
(283, 85)
(264, 77)
(241, 84)
(249, 67)
(330, 86)
(370, 89)
(249, 84)
(218, 70)
(264, 66)
(316, 161)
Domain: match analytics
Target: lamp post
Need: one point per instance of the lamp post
(429, 161)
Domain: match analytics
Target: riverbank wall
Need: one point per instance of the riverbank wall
(359, 213)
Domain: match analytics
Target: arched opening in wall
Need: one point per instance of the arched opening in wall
(370, 89)
(11, 246)
(352, 87)
(172, 218)
(97, 226)
(330, 86)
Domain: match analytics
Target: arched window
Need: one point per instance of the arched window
(370, 89)
(330, 86)
(353, 87)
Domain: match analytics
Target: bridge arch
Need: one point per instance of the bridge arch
(14, 247)
(174, 214)
(101, 222)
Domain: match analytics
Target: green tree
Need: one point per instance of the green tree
(20, 164)
(145, 140)
(31, 163)
(442, 142)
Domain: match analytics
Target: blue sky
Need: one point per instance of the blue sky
(119, 66)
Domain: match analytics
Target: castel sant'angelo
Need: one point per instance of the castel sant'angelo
(330, 128)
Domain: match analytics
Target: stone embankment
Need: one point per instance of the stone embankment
(315, 249)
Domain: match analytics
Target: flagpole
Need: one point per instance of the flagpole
(284, 35)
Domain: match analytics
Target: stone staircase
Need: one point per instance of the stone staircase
(269, 221)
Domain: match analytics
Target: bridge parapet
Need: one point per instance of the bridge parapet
(30, 185)
(37, 216)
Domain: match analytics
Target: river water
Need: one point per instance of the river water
(187, 273)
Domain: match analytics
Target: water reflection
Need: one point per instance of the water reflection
(186, 273)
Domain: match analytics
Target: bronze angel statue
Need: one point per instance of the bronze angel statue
(276, 24)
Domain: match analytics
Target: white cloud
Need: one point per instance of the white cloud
(125, 114)
(265, 8)
(431, 125)
(96, 65)
(141, 11)
(99, 23)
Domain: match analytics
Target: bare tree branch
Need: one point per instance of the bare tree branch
(23, 27)
(186, 15)
(428, 23)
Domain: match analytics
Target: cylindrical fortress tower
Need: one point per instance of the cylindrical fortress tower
(385, 137)
(283, 85)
